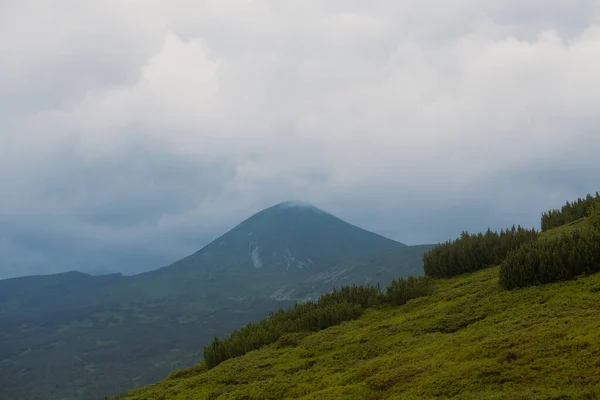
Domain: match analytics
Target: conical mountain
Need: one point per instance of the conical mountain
(280, 245)
(290, 235)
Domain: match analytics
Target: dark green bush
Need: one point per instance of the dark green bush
(594, 215)
(571, 211)
(552, 260)
(470, 253)
(402, 290)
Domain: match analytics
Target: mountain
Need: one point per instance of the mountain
(290, 248)
(78, 336)
(379, 268)
(289, 236)
(34, 295)
(529, 329)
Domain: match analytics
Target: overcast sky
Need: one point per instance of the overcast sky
(133, 132)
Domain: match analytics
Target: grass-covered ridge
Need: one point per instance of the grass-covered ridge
(570, 212)
(553, 259)
(556, 255)
(469, 339)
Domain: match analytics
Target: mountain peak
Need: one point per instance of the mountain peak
(297, 204)
(289, 236)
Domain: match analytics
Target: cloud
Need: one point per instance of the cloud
(133, 132)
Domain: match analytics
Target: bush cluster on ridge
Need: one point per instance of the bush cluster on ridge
(344, 304)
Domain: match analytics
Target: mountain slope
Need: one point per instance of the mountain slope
(35, 295)
(283, 244)
(107, 334)
(381, 267)
(289, 235)
(468, 340)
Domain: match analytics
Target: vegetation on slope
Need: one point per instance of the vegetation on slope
(528, 258)
(570, 212)
(470, 253)
(553, 260)
(469, 339)
(594, 215)
(567, 252)
(330, 309)
(538, 342)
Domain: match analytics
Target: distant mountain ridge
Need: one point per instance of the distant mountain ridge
(287, 243)
(120, 332)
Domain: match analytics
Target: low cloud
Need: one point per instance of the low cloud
(134, 132)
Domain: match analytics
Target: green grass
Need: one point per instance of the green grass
(571, 227)
(468, 340)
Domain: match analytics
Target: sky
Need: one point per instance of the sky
(134, 132)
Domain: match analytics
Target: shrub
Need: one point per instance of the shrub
(556, 259)
(571, 211)
(470, 253)
(594, 214)
(402, 290)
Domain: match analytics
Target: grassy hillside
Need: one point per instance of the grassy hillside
(578, 225)
(468, 340)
